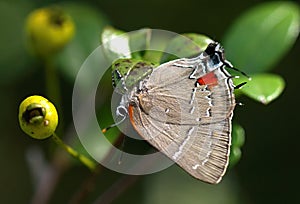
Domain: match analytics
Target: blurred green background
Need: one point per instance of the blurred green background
(267, 172)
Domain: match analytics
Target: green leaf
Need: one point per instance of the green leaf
(238, 135)
(139, 41)
(118, 48)
(186, 45)
(263, 88)
(261, 36)
(89, 23)
(235, 156)
(128, 72)
(237, 141)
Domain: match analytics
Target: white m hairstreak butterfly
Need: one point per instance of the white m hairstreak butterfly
(183, 108)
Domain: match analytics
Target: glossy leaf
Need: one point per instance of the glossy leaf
(115, 48)
(238, 135)
(260, 37)
(235, 156)
(186, 45)
(89, 23)
(263, 87)
(139, 41)
(237, 141)
(126, 73)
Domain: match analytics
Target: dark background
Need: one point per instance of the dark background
(269, 168)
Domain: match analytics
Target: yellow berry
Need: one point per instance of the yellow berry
(38, 117)
(48, 30)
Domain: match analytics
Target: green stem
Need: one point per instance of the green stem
(53, 91)
(83, 159)
(52, 81)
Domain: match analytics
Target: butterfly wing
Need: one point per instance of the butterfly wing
(187, 118)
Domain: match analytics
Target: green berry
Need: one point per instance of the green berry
(38, 117)
(48, 30)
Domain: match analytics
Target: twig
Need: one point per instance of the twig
(50, 178)
(89, 184)
(87, 187)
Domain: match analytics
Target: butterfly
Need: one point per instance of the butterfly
(183, 108)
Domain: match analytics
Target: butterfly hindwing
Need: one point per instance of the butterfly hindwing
(185, 112)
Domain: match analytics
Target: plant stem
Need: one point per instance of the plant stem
(53, 91)
(83, 159)
(52, 81)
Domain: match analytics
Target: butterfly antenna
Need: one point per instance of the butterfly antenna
(240, 85)
(104, 130)
(119, 113)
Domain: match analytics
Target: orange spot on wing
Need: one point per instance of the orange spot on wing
(209, 79)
